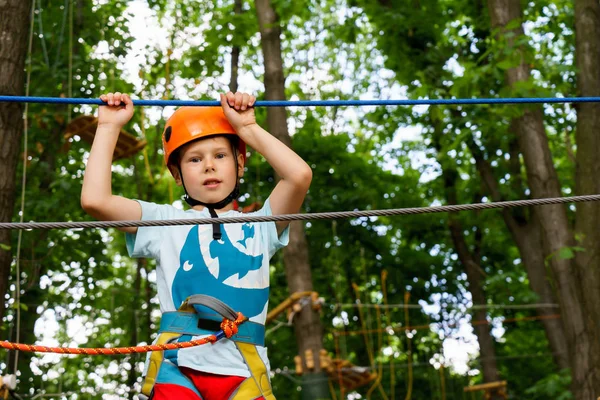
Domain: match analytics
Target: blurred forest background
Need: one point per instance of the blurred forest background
(412, 307)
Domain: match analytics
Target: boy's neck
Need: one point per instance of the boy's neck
(228, 207)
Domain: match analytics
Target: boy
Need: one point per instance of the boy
(205, 152)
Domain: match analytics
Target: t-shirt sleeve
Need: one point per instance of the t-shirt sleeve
(146, 241)
(269, 235)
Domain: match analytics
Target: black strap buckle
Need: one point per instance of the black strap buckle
(216, 227)
(209, 325)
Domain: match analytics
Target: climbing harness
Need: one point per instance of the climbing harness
(200, 315)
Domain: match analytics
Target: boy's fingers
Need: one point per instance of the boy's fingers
(252, 101)
(230, 99)
(110, 99)
(117, 98)
(238, 100)
(245, 100)
(128, 103)
(224, 102)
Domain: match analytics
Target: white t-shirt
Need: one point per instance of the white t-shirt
(234, 269)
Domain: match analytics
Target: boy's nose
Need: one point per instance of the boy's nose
(209, 166)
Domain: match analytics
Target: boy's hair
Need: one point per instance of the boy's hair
(234, 140)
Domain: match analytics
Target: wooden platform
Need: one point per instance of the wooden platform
(85, 127)
(490, 389)
(343, 372)
(291, 304)
(349, 376)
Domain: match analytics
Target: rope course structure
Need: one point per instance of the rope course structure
(85, 127)
(343, 371)
(419, 306)
(303, 217)
(312, 103)
(428, 326)
(350, 377)
(490, 389)
(228, 329)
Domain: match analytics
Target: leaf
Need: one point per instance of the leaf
(566, 253)
(5, 247)
(22, 306)
(506, 64)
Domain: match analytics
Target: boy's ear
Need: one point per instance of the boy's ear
(175, 172)
(240, 171)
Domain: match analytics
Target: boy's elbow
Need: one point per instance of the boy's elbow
(300, 178)
(305, 177)
(308, 174)
(86, 203)
(89, 204)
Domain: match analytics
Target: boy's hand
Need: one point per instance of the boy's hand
(118, 111)
(238, 109)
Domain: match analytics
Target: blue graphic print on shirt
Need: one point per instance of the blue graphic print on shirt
(194, 277)
(248, 233)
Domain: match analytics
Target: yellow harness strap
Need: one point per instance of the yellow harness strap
(258, 384)
(156, 359)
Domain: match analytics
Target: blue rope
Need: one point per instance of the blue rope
(305, 103)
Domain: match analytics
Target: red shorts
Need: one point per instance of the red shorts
(209, 386)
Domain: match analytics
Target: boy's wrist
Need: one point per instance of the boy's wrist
(247, 129)
(109, 126)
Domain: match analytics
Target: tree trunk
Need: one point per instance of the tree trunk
(579, 324)
(307, 324)
(14, 25)
(235, 52)
(587, 28)
(527, 234)
(531, 246)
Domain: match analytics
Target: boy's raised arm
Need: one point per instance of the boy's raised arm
(295, 173)
(96, 193)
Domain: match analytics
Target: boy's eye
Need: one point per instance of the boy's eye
(195, 159)
(221, 155)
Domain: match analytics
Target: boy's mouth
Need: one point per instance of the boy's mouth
(211, 183)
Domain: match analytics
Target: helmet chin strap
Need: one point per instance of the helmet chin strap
(212, 206)
(218, 205)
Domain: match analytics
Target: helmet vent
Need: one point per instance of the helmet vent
(168, 134)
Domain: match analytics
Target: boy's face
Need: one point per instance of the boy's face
(208, 168)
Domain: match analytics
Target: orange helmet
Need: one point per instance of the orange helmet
(190, 123)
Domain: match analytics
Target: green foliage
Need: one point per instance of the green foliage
(361, 159)
(554, 386)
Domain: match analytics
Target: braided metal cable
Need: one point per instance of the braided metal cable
(446, 307)
(303, 217)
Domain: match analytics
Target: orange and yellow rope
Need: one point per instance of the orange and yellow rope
(229, 328)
